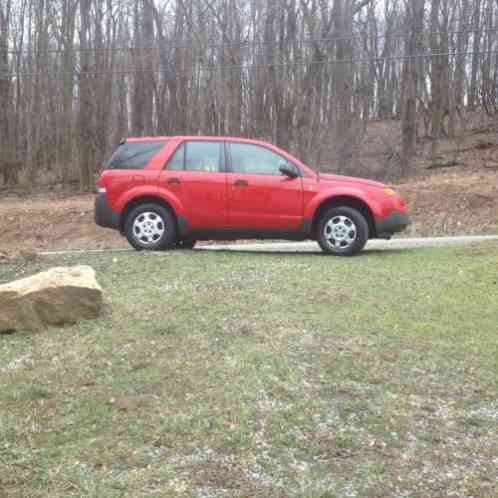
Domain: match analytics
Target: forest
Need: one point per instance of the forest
(78, 76)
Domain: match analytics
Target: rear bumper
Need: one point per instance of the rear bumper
(104, 215)
(394, 223)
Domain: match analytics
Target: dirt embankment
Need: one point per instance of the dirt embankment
(48, 221)
(459, 202)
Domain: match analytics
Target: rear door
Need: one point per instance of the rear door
(260, 197)
(196, 175)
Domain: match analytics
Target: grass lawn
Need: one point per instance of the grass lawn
(260, 375)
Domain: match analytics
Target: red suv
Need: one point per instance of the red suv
(164, 192)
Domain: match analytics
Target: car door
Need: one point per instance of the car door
(196, 175)
(260, 197)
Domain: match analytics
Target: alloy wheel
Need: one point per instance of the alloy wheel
(340, 232)
(148, 228)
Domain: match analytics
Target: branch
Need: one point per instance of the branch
(362, 4)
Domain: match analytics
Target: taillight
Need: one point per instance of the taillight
(401, 202)
(99, 187)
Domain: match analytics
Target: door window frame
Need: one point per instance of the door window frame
(229, 164)
(222, 156)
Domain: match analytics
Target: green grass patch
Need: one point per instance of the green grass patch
(261, 375)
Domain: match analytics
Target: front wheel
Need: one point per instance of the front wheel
(342, 231)
(150, 227)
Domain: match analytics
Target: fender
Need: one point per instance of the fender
(146, 191)
(348, 191)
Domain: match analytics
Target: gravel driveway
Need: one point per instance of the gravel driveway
(373, 245)
(310, 247)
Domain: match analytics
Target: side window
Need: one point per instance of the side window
(177, 162)
(134, 155)
(255, 160)
(203, 156)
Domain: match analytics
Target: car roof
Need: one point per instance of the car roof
(194, 137)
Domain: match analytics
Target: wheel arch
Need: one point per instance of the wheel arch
(145, 199)
(346, 201)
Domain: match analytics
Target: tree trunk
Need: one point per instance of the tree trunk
(5, 83)
(437, 70)
(85, 135)
(415, 19)
(343, 83)
(476, 45)
(66, 155)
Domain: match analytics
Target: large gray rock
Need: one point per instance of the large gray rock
(55, 297)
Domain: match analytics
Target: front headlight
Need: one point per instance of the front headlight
(390, 192)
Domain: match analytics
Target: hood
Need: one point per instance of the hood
(327, 177)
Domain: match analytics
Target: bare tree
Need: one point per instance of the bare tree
(5, 82)
(76, 76)
(411, 74)
(86, 109)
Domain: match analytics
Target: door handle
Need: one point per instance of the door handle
(173, 181)
(241, 183)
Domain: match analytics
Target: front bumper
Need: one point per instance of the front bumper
(394, 223)
(104, 215)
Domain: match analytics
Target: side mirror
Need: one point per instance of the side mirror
(288, 170)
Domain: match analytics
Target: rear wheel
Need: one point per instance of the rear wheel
(150, 227)
(342, 231)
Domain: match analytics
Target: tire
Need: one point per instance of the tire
(342, 231)
(185, 243)
(150, 227)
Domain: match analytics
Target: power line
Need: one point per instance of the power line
(244, 44)
(242, 67)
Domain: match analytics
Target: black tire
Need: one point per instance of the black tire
(185, 243)
(333, 235)
(159, 236)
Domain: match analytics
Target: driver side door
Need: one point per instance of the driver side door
(260, 197)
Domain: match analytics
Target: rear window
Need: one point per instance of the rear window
(134, 155)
